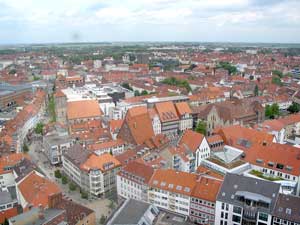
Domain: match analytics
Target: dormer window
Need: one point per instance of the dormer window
(279, 166)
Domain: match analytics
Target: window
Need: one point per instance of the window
(223, 205)
(222, 214)
(279, 166)
(263, 216)
(237, 210)
(236, 218)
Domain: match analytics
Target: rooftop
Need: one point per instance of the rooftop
(130, 213)
(235, 186)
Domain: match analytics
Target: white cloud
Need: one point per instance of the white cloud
(157, 15)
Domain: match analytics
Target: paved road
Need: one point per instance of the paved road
(100, 206)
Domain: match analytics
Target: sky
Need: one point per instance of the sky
(51, 21)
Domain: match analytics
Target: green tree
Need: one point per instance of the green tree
(84, 194)
(229, 67)
(72, 186)
(39, 128)
(277, 73)
(294, 108)
(25, 148)
(271, 111)
(144, 92)
(57, 174)
(111, 204)
(276, 80)
(136, 93)
(35, 78)
(201, 127)
(12, 71)
(51, 108)
(256, 91)
(127, 86)
(64, 180)
(102, 219)
(177, 82)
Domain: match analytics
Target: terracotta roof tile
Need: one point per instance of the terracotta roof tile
(183, 108)
(166, 111)
(83, 109)
(100, 162)
(191, 139)
(174, 181)
(36, 189)
(138, 169)
(207, 189)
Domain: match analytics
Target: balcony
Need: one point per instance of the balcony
(249, 213)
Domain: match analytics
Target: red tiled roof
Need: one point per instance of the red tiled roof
(166, 111)
(138, 169)
(207, 189)
(6, 214)
(183, 108)
(8, 161)
(191, 139)
(99, 162)
(83, 109)
(173, 181)
(36, 189)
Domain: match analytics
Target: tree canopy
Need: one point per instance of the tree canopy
(294, 108)
(178, 83)
(201, 127)
(276, 80)
(271, 111)
(127, 86)
(229, 67)
(39, 128)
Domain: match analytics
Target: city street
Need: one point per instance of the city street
(99, 205)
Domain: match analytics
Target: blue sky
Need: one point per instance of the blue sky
(44, 21)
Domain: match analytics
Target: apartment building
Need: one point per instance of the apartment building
(137, 126)
(156, 124)
(196, 143)
(185, 115)
(179, 158)
(203, 199)
(55, 146)
(7, 163)
(15, 130)
(244, 200)
(273, 161)
(171, 190)
(93, 173)
(114, 147)
(286, 210)
(168, 118)
(132, 181)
